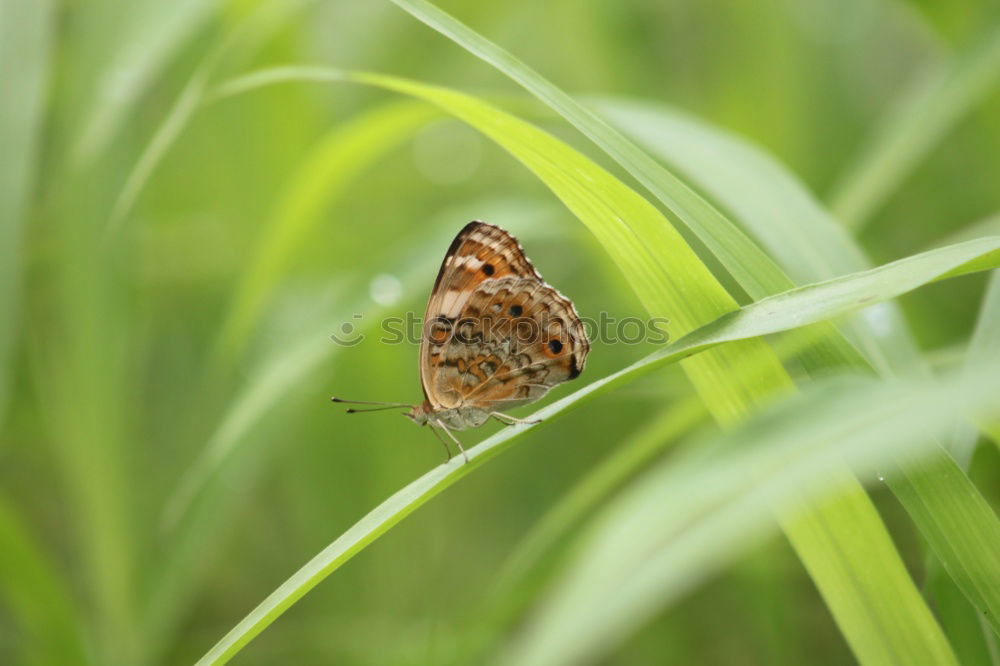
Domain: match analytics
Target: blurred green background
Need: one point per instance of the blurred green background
(170, 274)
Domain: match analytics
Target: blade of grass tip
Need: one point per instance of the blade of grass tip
(722, 495)
(794, 227)
(934, 102)
(37, 599)
(25, 40)
(772, 316)
(337, 161)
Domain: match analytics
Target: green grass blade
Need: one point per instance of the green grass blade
(935, 101)
(166, 133)
(966, 544)
(36, 597)
(720, 498)
(25, 37)
(972, 638)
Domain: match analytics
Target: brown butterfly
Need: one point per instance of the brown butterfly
(495, 336)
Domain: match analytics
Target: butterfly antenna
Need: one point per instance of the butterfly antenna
(381, 406)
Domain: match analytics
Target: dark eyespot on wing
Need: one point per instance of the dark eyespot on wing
(574, 369)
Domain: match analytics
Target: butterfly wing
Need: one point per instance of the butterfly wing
(480, 252)
(496, 335)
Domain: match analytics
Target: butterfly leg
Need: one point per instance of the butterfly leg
(447, 451)
(507, 419)
(454, 439)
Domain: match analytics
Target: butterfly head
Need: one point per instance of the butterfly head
(419, 414)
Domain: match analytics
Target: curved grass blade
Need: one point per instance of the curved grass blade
(638, 557)
(770, 316)
(934, 102)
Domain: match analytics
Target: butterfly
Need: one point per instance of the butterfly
(495, 336)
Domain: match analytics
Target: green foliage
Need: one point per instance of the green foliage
(196, 196)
